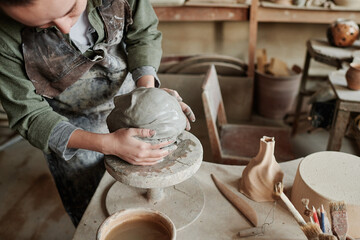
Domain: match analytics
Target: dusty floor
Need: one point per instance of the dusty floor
(30, 207)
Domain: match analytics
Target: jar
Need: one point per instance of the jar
(353, 76)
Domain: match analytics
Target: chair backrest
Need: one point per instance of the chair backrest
(214, 110)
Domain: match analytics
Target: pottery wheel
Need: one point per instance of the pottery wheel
(183, 198)
(183, 203)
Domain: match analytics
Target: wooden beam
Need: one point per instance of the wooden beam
(185, 13)
(253, 28)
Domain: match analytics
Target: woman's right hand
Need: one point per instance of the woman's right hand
(123, 144)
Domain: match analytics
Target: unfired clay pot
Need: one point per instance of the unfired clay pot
(137, 223)
(353, 76)
(343, 33)
(262, 173)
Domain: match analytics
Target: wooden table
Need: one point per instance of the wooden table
(347, 101)
(219, 219)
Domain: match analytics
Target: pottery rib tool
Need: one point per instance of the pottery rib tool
(311, 230)
(339, 219)
(237, 201)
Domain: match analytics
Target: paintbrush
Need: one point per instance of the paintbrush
(323, 236)
(311, 230)
(339, 219)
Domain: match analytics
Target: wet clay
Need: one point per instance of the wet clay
(149, 108)
(139, 229)
(262, 173)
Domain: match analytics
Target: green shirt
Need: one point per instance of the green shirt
(28, 112)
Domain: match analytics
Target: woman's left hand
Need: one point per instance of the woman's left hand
(190, 116)
(149, 81)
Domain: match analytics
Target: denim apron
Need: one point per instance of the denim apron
(81, 89)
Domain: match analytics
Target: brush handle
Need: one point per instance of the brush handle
(292, 209)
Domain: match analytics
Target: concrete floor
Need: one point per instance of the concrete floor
(30, 207)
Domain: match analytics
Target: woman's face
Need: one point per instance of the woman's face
(46, 13)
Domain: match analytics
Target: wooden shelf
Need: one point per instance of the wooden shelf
(292, 15)
(203, 13)
(254, 15)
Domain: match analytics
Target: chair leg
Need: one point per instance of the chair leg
(338, 129)
(301, 94)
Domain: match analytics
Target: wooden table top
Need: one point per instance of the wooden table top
(219, 219)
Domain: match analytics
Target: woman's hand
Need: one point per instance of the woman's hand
(190, 116)
(122, 143)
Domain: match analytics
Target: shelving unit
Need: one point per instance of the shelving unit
(260, 14)
(255, 14)
(203, 13)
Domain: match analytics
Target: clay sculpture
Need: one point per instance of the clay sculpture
(262, 173)
(149, 108)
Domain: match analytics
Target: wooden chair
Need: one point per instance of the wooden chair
(234, 143)
(320, 51)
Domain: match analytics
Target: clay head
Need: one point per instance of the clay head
(343, 33)
(149, 108)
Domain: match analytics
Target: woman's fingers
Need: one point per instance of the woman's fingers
(185, 108)
(142, 132)
(161, 145)
(173, 93)
(149, 157)
(188, 112)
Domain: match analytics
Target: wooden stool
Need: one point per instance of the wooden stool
(321, 51)
(347, 101)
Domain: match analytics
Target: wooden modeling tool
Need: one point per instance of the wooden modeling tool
(339, 219)
(237, 201)
(311, 230)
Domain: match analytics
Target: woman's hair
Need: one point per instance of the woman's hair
(16, 2)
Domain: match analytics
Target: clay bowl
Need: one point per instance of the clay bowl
(353, 76)
(137, 223)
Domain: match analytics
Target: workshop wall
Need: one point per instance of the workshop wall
(282, 40)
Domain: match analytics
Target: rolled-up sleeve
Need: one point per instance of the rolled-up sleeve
(28, 112)
(143, 39)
